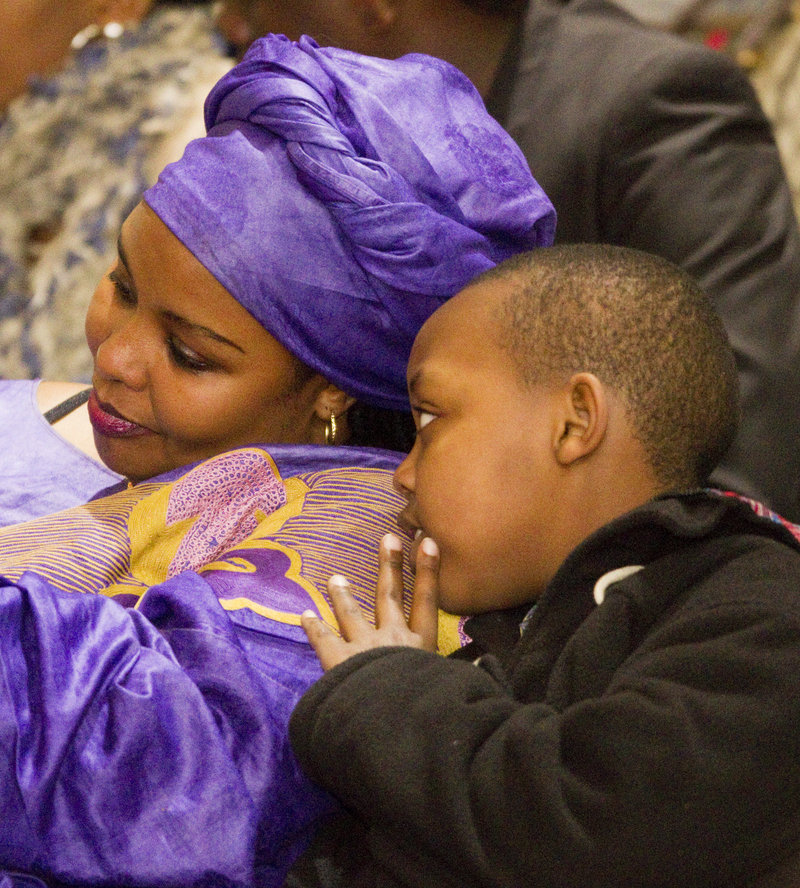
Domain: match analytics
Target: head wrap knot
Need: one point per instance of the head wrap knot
(341, 199)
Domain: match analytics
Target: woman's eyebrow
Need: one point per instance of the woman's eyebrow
(124, 260)
(203, 331)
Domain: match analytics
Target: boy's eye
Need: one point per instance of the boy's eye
(423, 418)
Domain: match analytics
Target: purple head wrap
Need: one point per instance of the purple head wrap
(341, 199)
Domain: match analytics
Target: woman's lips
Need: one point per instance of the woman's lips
(106, 421)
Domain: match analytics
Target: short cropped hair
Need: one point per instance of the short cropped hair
(645, 329)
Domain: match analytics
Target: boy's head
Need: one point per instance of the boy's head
(556, 392)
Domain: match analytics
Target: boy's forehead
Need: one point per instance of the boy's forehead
(464, 331)
(471, 308)
(485, 294)
(457, 317)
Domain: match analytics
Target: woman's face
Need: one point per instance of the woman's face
(181, 371)
(35, 38)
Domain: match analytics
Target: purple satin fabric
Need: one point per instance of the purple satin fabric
(146, 747)
(341, 199)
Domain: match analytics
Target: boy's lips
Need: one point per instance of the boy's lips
(419, 536)
(416, 533)
(406, 523)
(107, 421)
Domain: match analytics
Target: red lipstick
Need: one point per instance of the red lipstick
(106, 421)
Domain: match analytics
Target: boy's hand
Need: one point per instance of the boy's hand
(391, 627)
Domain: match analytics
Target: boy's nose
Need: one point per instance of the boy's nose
(404, 474)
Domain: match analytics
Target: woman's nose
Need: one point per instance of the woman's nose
(121, 347)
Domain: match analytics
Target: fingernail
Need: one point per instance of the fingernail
(429, 547)
(310, 614)
(339, 581)
(392, 543)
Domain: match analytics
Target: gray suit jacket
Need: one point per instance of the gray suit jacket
(649, 141)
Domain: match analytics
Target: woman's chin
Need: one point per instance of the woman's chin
(126, 458)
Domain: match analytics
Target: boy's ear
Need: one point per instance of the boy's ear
(332, 400)
(582, 418)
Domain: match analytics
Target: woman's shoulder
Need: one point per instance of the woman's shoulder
(18, 396)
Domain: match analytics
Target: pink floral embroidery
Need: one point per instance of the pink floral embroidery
(225, 493)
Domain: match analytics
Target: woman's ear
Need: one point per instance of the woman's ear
(582, 418)
(332, 400)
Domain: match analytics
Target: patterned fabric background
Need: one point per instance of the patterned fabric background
(75, 155)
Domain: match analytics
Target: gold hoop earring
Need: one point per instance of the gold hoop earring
(330, 430)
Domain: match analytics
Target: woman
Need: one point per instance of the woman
(270, 279)
(279, 271)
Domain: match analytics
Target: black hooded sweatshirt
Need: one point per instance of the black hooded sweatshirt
(642, 729)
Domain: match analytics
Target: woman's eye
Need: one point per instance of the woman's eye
(122, 290)
(186, 357)
(424, 418)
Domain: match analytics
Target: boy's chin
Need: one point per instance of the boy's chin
(455, 602)
(470, 598)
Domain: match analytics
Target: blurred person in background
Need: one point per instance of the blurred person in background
(96, 96)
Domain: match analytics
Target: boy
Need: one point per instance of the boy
(633, 720)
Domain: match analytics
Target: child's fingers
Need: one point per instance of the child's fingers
(391, 629)
(389, 596)
(424, 617)
(348, 614)
(329, 648)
